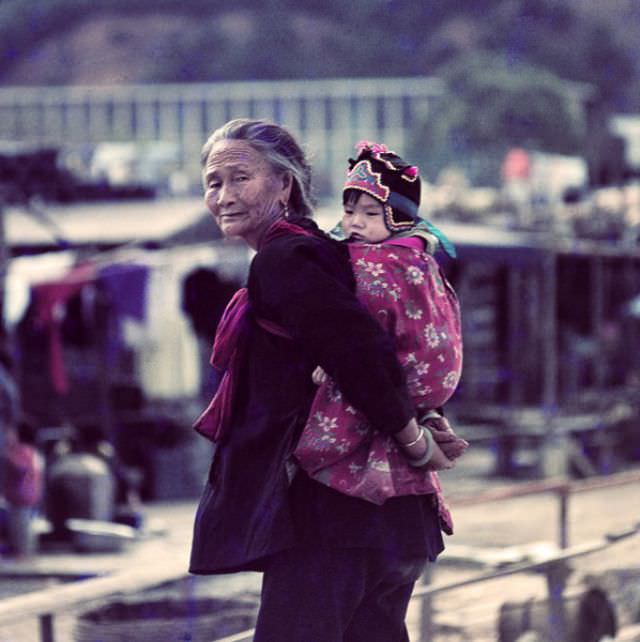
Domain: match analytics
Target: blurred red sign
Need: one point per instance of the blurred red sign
(516, 165)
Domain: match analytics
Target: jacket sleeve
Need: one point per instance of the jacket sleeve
(305, 285)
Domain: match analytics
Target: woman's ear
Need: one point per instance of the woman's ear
(286, 186)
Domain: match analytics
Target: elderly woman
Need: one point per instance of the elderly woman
(336, 568)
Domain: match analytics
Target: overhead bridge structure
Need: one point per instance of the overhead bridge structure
(328, 116)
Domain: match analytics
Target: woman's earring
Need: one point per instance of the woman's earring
(285, 210)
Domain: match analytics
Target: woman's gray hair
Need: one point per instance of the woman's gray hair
(280, 149)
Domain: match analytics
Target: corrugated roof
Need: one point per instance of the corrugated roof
(105, 223)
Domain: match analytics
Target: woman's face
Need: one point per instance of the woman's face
(364, 220)
(242, 191)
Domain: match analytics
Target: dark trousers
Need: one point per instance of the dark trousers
(336, 595)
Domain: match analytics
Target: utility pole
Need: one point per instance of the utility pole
(4, 263)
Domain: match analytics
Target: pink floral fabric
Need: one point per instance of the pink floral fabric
(405, 290)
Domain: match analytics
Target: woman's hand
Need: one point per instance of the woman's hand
(418, 444)
(439, 459)
(450, 444)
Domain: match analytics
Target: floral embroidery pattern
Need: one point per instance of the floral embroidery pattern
(325, 423)
(375, 269)
(451, 380)
(431, 335)
(412, 311)
(414, 275)
(422, 368)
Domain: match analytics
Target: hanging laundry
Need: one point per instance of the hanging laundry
(50, 301)
(126, 285)
(123, 287)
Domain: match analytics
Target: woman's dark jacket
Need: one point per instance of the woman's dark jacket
(249, 508)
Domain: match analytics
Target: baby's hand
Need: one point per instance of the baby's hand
(319, 376)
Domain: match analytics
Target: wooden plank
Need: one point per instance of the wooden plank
(509, 492)
(545, 486)
(540, 565)
(243, 636)
(59, 598)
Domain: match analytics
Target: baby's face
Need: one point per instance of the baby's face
(363, 220)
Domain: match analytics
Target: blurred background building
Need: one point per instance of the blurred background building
(523, 116)
(153, 134)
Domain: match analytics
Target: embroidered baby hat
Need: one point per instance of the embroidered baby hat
(387, 177)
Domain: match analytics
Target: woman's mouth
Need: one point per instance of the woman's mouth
(230, 216)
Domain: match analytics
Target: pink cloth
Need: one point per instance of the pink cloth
(50, 301)
(215, 421)
(412, 242)
(23, 479)
(404, 289)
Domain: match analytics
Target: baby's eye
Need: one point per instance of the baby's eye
(348, 212)
(373, 214)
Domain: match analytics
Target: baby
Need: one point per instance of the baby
(402, 286)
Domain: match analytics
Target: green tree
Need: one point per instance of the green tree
(570, 43)
(491, 106)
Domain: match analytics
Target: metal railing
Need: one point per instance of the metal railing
(47, 603)
(562, 489)
(329, 115)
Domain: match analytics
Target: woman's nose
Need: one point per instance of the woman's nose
(226, 194)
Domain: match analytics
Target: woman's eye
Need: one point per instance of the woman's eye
(241, 178)
(213, 185)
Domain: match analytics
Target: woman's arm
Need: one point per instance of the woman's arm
(306, 285)
(421, 448)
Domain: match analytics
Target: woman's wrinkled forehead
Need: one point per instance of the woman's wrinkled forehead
(234, 153)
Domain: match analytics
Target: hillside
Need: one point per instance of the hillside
(113, 41)
(100, 49)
